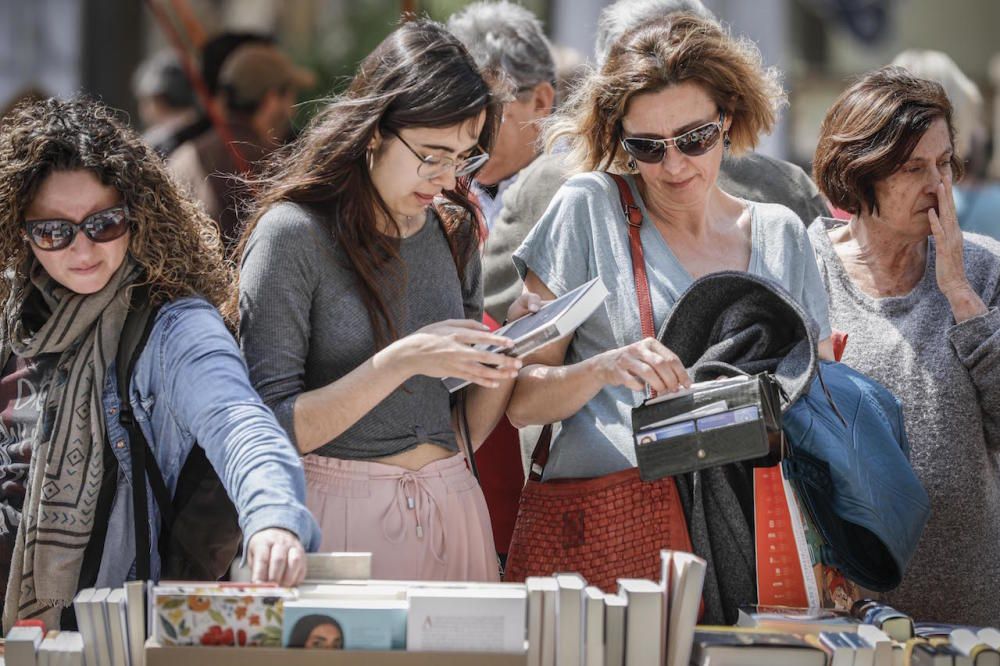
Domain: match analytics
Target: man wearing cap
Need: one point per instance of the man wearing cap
(258, 85)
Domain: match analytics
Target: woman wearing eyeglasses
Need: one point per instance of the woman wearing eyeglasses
(88, 214)
(674, 95)
(360, 289)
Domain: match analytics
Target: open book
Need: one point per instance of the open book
(554, 320)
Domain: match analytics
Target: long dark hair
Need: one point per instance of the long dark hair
(419, 76)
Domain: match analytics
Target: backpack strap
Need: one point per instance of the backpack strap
(135, 333)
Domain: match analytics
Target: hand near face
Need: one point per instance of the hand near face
(948, 238)
(950, 259)
(276, 555)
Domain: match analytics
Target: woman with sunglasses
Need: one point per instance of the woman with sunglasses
(360, 289)
(88, 215)
(673, 95)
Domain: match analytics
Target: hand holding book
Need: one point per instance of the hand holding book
(451, 349)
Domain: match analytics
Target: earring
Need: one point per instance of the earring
(631, 164)
(726, 143)
(370, 158)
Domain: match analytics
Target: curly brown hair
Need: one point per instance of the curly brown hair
(173, 240)
(654, 55)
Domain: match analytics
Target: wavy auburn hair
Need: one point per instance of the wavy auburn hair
(656, 54)
(419, 76)
(174, 241)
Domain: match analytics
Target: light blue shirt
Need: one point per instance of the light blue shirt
(583, 234)
(190, 385)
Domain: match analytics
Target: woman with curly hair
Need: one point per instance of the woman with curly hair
(361, 288)
(87, 214)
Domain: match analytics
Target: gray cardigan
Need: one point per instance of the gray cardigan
(948, 378)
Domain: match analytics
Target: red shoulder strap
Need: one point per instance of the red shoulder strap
(633, 216)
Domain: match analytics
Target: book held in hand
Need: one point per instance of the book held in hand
(554, 320)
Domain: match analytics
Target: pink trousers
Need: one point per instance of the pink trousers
(428, 524)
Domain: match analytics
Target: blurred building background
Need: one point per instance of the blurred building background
(61, 46)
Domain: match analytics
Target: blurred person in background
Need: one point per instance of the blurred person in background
(258, 87)
(502, 36)
(506, 39)
(166, 101)
(213, 54)
(977, 201)
(919, 299)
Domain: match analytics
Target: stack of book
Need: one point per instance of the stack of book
(871, 634)
(644, 623)
(31, 646)
(545, 621)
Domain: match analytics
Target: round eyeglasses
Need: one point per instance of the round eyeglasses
(432, 166)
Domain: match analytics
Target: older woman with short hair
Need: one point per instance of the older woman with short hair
(919, 299)
(674, 95)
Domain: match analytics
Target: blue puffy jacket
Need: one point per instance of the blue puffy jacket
(850, 467)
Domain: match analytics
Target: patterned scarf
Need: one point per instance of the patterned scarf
(67, 464)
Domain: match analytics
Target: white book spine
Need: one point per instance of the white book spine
(135, 606)
(687, 581)
(593, 627)
(21, 646)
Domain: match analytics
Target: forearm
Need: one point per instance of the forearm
(484, 408)
(546, 394)
(965, 304)
(976, 342)
(323, 414)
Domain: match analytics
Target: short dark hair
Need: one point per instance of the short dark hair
(870, 131)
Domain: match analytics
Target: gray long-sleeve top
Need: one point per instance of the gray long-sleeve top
(303, 325)
(948, 377)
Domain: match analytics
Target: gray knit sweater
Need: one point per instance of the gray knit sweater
(948, 377)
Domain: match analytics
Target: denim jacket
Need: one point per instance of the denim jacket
(190, 385)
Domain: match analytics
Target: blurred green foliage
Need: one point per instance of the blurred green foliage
(341, 40)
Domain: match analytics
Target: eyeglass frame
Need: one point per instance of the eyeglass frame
(461, 168)
(672, 141)
(77, 227)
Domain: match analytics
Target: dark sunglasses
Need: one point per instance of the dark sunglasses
(692, 143)
(103, 226)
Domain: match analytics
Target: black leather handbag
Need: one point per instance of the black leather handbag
(715, 424)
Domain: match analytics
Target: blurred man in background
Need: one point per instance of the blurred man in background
(166, 101)
(258, 86)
